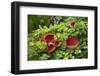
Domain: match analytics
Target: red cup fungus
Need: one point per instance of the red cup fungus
(51, 48)
(72, 24)
(49, 38)
(72, 42)
(57, 43)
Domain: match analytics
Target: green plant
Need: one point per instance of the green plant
(38, 50)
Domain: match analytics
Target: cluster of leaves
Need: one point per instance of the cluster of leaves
(37, 50)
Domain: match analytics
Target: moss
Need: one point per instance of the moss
(38, 50)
